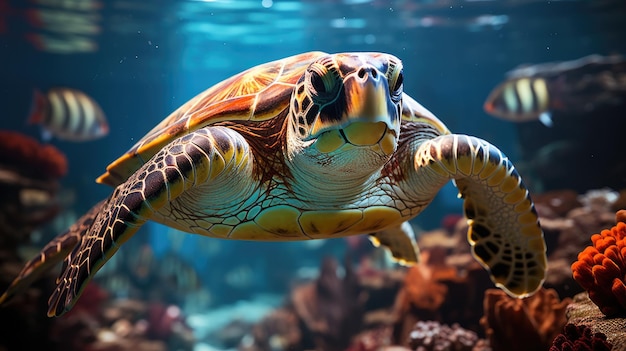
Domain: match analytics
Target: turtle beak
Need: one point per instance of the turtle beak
(368, 97)
(368, 102)
(371, 117)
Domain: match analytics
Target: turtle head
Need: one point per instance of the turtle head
(346, 108)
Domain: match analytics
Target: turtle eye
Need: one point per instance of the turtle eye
(395, 78)
(322, 82)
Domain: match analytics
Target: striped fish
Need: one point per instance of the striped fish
(532, 92)
(521, 99)
(68, 114)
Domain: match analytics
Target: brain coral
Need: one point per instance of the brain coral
(601, 270)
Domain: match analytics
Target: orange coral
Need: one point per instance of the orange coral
(601, 270)
(620, 216)
(523, 324)
(424, 285)
(30, 157)
(425, 290)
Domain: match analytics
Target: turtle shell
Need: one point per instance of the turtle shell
(259, 93)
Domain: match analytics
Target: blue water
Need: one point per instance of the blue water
(142, 59)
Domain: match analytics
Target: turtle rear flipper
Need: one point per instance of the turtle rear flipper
(504, 227)
(51, 254)
(400, 241)
(194, 159)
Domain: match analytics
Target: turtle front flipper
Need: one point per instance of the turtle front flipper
(400, 241)
(189, 161)
(504, 227)
(51, 254)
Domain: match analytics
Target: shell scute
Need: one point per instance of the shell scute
(259, 93)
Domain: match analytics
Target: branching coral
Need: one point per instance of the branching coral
(601, 270)
(580, 338)
(523, 324)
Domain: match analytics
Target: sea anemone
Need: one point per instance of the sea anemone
(579, 338)
(601, 270)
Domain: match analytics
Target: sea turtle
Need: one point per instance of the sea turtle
(312, 146)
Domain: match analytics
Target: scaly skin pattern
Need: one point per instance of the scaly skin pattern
(54, 252)
(349, 154)
(503, 228)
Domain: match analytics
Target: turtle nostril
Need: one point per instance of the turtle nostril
(364, 71)
(361, 73)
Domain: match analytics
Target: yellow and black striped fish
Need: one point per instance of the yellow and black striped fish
(533, 92)
(68, 114)
(521, 99)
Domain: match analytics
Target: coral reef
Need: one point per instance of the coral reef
(601, 270)
(280, 330)
(373, 340)
(425, 287)
(567, 231)
(138, 269)
(582, 311)
(620, 202)
(523, 324)
(443, 303)
(446, 286)
(323, 314)
(29, 181)
(29, 174)
(30, 158)
(354, 311)
(432, 336)
(579, 338)
(620, 216)
(123, 325)
(556, 203)
(331, 307)
(425, 290)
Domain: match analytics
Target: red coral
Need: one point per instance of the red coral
(580, 338)
(30, 157)
(523, 324)
(601, 270)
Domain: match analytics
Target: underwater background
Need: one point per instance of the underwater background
(140, 60)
